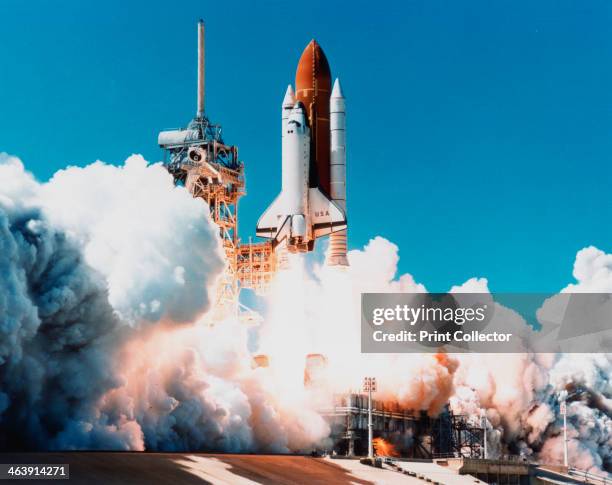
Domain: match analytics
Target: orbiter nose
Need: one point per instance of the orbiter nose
(298, 114)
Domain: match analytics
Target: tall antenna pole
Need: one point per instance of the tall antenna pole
(201, 71)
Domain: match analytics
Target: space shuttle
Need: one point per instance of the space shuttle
(301, 213)
(312, 201)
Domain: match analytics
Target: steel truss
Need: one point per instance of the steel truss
(215, 174)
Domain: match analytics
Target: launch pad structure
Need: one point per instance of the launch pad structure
(198, 158)
(412, 434)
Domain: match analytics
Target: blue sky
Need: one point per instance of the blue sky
(480, 133)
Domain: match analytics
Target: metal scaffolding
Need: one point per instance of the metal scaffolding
(198, 158)
(415, 434)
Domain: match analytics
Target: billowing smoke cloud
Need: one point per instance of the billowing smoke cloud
(593, 271)
(57, 329)
(107, 271)
(193, 388)
(320, 314)
(153, 243)
(518, 392)
(521, 393)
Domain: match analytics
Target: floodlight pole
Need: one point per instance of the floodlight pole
(565, 459)
(484, 425)
(563, 409)
(369, 386)
(370, 444)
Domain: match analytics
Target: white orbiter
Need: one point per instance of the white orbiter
(301, 213)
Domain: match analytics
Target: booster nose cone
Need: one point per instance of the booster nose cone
(289, 99)
(337, 90)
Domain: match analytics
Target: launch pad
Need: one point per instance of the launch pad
(409, 434)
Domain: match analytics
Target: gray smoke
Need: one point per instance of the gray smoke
(521, 393)
(57, 332)
(60, 335)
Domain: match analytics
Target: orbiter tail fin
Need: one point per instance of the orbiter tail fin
(326, 217)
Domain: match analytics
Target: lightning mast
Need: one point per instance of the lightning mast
(198, 158)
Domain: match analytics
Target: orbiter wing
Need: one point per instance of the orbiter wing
(271, 222)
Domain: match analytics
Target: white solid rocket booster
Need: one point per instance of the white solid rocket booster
(336, 255)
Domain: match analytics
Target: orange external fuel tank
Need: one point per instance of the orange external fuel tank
(313, 88)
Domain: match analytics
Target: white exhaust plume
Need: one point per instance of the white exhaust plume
(518, 392)
(107, 271)
(321, 315)
(153, 242)
(99, 265)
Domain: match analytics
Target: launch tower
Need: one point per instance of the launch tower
(198, 158)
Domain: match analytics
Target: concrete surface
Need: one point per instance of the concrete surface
(375, 475)
(437, 473)
(117, 468)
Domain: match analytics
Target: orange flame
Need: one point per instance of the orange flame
(384, 448)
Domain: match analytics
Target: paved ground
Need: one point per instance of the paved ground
(376, 475)
(438, 473)
(97, 468)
